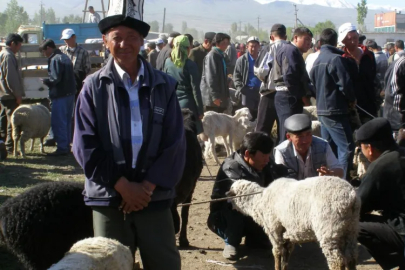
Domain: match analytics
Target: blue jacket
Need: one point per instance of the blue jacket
(332, 82)
(163, 132)
(61, 81)
(290, 71)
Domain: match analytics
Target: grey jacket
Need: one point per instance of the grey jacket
(241, 73)
(11, 83)
(214, 81)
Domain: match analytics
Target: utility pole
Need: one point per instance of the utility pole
(258, 29)
(296, 15)
(41, 12)
(164, 18)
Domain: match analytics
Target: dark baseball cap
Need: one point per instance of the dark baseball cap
(209, 35)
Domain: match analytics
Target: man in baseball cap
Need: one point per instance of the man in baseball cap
(197, 54)
(67, 33)
(246, 82)
(129, 140)
(159, 44)
(382, 189)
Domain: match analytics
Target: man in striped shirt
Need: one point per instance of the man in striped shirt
(398, 86)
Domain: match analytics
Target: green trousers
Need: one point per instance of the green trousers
(149, 230)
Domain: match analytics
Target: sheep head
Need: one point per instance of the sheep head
(243, 112)
(245, 205)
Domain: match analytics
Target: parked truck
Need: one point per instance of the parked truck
(32, 34)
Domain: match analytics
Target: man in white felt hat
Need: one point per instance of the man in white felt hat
(129, 140)
(363, 70)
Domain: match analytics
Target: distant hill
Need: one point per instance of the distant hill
(217, 15)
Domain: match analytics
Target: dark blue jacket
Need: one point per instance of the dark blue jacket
(332, 82)
(61, 81)
(94, 152)
(290, 71)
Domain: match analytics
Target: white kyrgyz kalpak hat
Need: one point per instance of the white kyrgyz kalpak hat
(67, 33)
(253, 38)
(344, 29)
(128, 13)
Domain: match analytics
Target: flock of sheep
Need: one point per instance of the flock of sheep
(322, 209)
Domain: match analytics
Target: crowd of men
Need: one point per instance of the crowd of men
(130, 142)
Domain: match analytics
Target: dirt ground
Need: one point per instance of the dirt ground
(16, 175)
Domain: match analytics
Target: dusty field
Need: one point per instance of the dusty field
(205, 252)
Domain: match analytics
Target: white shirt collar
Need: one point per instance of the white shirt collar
(299, 156)
(124, 75)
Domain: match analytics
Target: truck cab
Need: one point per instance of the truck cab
(31, 34)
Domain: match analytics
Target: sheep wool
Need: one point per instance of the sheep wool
(323, 209)
(225, 126)
(30, 122)
(96, 253)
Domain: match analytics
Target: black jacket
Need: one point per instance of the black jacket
(163, 55)
(61, 81)
(383, 188)
(234, 167)
(363, 77)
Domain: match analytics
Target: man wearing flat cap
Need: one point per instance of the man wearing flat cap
(305, 154)
(382, 189)
(197, 54)
(166, 51)
(129, 140)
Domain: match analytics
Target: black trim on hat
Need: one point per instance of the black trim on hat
(116, 20)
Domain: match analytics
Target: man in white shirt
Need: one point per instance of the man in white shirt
(94, 17)
(309, 62)
(304, 153)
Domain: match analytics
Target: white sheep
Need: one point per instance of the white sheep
(311, 112)
(222, 125)
(96, 253)
(324, 209)
(361, 162)
(30, 122)
(316, 128)
(244, 126)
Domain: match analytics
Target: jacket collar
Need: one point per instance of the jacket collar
(55, 52)
(151, 77)
(331, 49)
(242, 162)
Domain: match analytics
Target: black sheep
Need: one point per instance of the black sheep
(192, 171)
(42, 223)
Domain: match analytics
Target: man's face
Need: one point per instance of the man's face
(47, 52)
(124, 44)
(258, 160)
(253, 49)
(207, 44)
(391, 50)
(71, 42)
(366, 149)
(223, 45)
(242, 48)
(351, 40)
(301, 141)
(91, 10)
(303, 42)
(15, 46)
(161, 45)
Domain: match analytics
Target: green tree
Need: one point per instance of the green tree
(50, 16)
(234, 27)
(168, 28)
(319, 27)
(361, 13)
(3, 20)
(72, 19)
(16, 16)
(154, 26)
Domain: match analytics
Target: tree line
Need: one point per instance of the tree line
(15, 15)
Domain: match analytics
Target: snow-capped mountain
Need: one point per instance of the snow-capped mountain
(325, 3)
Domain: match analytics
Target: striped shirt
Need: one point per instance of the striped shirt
(136, 120)
(80, 58)
(394, 83)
